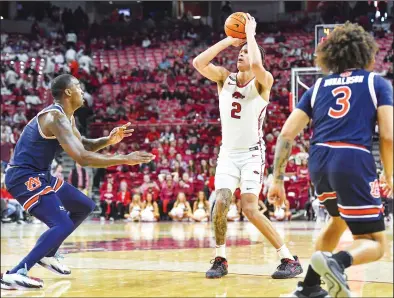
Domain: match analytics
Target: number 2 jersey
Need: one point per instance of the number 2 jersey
(242, 112)
(343, 107)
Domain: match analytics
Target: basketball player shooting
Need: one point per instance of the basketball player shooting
(343, 107)
(59, 205)
(243, 99)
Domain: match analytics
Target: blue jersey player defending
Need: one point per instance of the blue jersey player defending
(53, 201)
(344, 107)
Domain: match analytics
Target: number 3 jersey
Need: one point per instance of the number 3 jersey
(242, 112)
(343, 107)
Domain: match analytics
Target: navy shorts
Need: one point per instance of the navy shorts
(28, 186)
(346, 183)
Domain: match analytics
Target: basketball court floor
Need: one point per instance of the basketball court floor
(170, 260)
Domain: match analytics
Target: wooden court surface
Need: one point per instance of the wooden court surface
(170, 260)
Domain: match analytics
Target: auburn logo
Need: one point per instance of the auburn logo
(375, 191)
(33, 183)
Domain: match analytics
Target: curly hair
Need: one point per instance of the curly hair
(348, 46)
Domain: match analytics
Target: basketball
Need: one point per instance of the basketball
(235, 25)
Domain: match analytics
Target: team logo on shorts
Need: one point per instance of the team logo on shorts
(375, 191)
(33, 183)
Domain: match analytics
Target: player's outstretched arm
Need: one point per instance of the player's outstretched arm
(263, 76)
(116, 135)
(203, 61)
(385, 122)
(296, 122)
(60, 126)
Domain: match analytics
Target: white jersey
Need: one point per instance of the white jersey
(242, 112)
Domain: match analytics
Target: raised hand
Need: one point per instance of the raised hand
(118, 133)
(139, 157)
(250, 26)
(236, 42)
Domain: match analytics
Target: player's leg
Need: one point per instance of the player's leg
(50, 211)
(79, 206)
(226, 181)
(356, 184)
(252, 169)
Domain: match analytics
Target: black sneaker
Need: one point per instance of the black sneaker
(303, 291)
(218, 269)
(332, 273)
(288, 269)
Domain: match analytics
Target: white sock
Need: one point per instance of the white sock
(284, 252)
(220, 251)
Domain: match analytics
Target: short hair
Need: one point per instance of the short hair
(59, 84)
(348, 46)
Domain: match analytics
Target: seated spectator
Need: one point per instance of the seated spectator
(152, 135)
(146, 42)
(150, 210)
(148, 184)
(20, 117)
(6, 150)
(291, 168)
(79, 178)
(201, 208)
(107, 203)
(283, 212)
(169, 188)
(233, 211)
(181, 210)
(185, 185)
(123, 200)
(302, 170)
(135, 209)
(11, 207)
(167, 134)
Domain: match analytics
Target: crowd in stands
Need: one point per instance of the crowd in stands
(133, 77)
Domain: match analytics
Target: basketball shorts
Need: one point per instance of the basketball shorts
(28, 187)
(240, 168)
(346, 183)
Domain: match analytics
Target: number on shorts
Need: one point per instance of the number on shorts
(341, 101)
(33, 183)
(235, 110)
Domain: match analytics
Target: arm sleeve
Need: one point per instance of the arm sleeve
(305, 103)
(384, 91)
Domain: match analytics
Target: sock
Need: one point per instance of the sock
(221, 251)
(284, 252)
(343, 258)
(311, 278)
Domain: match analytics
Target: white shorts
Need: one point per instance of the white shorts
(241, 168)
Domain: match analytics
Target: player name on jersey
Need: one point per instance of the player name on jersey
(343, 81)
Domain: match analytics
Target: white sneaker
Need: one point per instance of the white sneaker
(20, 281)
(111, 219)
(102, 218)
(53, 264)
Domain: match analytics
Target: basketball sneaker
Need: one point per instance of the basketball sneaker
(332, 273)
(303, 291)
(20, 281)
(288, 269)
(53, 264)
(218, 269)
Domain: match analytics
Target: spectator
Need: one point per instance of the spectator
(168, 191)
(152, 135)
(146, 43)
(123, 200)
(233, 211)
(79, 178)
(150, 210)
(6, 150)
(11, 78)
(107, 203)
(181, 210)
(135, 209)
(12, 207)
(201, 208)
(167, 135)
(148, 184)
(58, 171)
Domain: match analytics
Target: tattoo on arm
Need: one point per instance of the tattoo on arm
(94, 144)
(282, 154)
(223, 200)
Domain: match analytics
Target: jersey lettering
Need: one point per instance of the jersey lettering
(33, 183)
(341, 101)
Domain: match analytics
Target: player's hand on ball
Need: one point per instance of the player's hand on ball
(236, 42)
(250, 27)
(139, 157)
(118, 133)
(277, 193)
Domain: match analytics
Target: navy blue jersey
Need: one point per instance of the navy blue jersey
(34, 150)
(343, 107)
